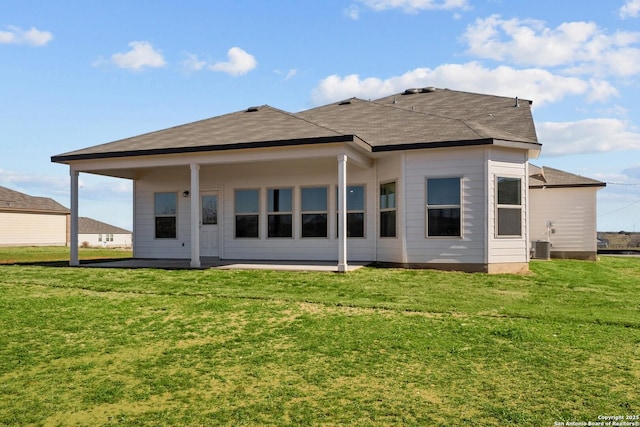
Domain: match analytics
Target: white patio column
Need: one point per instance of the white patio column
(195, 215)
(73, 235)
(342, 216)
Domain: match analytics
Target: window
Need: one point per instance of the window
(209, 204)
(443, 207)
(280, 212)
(314, 211)
(509, 206)
(247, 208)
(99, 237)
(388, 209)
(165, 215)
(109, 238)
(355, 211)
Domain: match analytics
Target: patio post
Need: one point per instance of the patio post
(342, 216)
(195, 215)
(73, 235)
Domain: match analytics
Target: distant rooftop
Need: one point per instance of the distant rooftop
(546, 177)
(92, 226)
(11, 200)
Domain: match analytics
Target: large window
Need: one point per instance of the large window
(388, 209)
(509, 206)
(355, 211)
(165, 215)
(247, 208)
(314, 211)
(443, 207)
(279, 212)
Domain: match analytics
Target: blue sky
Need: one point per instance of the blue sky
(79, 73)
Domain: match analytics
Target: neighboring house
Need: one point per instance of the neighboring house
(32, 221)
(563, 212)
(96, 233)
(426, 178)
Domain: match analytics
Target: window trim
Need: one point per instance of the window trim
(156, 215)
(508, 206)
(458, 206)
(236, 213)
(303, 212)
(384, 210)
(281, 213)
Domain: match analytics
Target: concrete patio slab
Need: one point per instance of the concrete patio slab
(214, 263)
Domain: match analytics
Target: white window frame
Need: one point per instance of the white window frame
(458, 206)
(499, 206)
(156, 215)
(363, 211)
(281, 213)
(393, 209)
(303, 212)
(237, 213)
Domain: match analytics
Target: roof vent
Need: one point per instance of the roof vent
(345, 102)
(411, 91)
(517, 102)
(252, 109)
(428, 89)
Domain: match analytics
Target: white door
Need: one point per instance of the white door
(209, 224)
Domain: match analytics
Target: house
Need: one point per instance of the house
(563, 212)
(32, 221)
(95, 233)
(425, 178)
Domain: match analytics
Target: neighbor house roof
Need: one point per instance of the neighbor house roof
(546, 177)
(424, 119)
(11, 200)
(91, 226)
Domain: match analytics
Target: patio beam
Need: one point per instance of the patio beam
(195, 215)
(74, 260)
(342, 213)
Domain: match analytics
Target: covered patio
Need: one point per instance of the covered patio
(215, 263)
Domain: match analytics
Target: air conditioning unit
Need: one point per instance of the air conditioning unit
(543, 250)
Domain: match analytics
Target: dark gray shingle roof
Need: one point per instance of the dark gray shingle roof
(425, 119)
(92, 226)
(11, 200)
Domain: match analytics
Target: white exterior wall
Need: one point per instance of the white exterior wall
(33, 229)
(119, 240)
(573, 214)
(257, 175)
(512, 164)
(466, 163)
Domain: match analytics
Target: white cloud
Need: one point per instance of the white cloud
(631, 9)
(414, 6)
(535, 84)
(193, 63)
(580, 47)
(240, 62)
(353, 12)
(142, 54)
(32, 37)
(291, 74)
(587, 136)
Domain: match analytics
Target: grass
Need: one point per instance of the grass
(58, 255)
(83, 346)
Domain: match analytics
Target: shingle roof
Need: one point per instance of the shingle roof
(510, 115)
(426, 118)
(92, 226)
(546, 177)
(383, 125)
(254, 127)
(11, 200)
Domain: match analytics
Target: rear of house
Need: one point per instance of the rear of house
(32, 221)
(427, 178)
(563, 213)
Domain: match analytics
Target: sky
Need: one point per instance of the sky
(74, 74)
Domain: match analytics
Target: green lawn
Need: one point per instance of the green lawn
(55, 254)
(82, 346)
